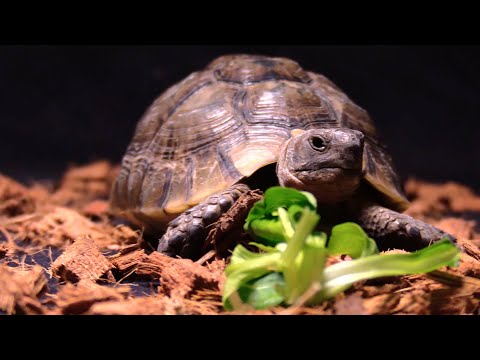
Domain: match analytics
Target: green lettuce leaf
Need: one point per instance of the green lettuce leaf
(245, 266)
(350, 239)
(268, 291)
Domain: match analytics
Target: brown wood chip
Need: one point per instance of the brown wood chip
(15, 198)
(20, 288)
(350, 305)
(154, 305)
(81, 261)
(4, 250)
(126, 262)
(178, 277)
(78, 298)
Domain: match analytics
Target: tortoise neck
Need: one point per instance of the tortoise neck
(263, 178)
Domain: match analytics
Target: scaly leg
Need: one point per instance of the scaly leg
(394, 230)
(186, 233)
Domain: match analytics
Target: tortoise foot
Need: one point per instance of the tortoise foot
(185, 234)
(394, 230)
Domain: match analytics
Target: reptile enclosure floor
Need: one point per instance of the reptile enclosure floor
(61, 252)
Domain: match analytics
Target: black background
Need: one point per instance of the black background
(73, 104)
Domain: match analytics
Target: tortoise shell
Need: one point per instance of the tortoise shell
(221, 124)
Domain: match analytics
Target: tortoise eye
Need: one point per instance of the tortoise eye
(317, 143)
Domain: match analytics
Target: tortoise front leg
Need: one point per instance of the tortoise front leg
(394, 230)
(186, 233)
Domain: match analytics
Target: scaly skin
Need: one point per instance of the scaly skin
(186, 233)
(394, 230)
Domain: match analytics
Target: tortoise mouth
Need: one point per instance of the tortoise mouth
(328, 169)
(327, 175)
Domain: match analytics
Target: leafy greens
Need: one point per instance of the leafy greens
(292, 262)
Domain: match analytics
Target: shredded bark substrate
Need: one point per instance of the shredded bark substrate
(63, 252)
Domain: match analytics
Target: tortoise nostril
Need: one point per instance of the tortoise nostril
(317, 143)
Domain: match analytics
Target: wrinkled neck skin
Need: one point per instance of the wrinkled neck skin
(349, 209)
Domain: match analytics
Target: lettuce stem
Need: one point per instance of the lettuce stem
(340, 276)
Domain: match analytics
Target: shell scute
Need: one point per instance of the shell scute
(222, 124)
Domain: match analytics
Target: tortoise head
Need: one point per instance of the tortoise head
(325, 162)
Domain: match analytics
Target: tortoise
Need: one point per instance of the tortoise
(200, 142)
